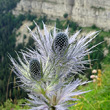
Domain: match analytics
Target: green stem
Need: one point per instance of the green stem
(52, 108)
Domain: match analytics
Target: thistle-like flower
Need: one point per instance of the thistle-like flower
(43, 72)
(35, 70)
(60, 43)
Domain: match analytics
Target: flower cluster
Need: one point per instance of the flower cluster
(44, 71)
(96, 77)
(99, 79)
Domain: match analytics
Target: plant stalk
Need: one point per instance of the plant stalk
(52, 108)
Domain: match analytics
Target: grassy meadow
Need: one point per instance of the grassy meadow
(99, 96)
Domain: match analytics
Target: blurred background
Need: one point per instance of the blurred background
(87, 15)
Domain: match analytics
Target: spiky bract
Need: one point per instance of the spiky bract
(52, 68)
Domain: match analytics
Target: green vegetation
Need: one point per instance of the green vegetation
(7, 5)
(65, 15)
(62, 24)
(8, 26)
(99, 97)
(98, 54)
(8, 22)
(16, 105)
(98, 8)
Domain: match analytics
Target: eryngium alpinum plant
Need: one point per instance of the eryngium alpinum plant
(44, 72)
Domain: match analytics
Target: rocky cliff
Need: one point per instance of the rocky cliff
(84, 12)
(89, 12)
(52, 8)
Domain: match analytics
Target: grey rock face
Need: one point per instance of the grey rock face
(84, 12)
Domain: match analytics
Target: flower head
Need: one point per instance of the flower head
(94, 80)
(60, 42)
(94, 71)
(93, 76)
(35, 69)
(43, 71)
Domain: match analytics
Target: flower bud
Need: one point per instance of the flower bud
(94, 71)
(94, 80)
(35, 69)
(60, 42)
(92, 76)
